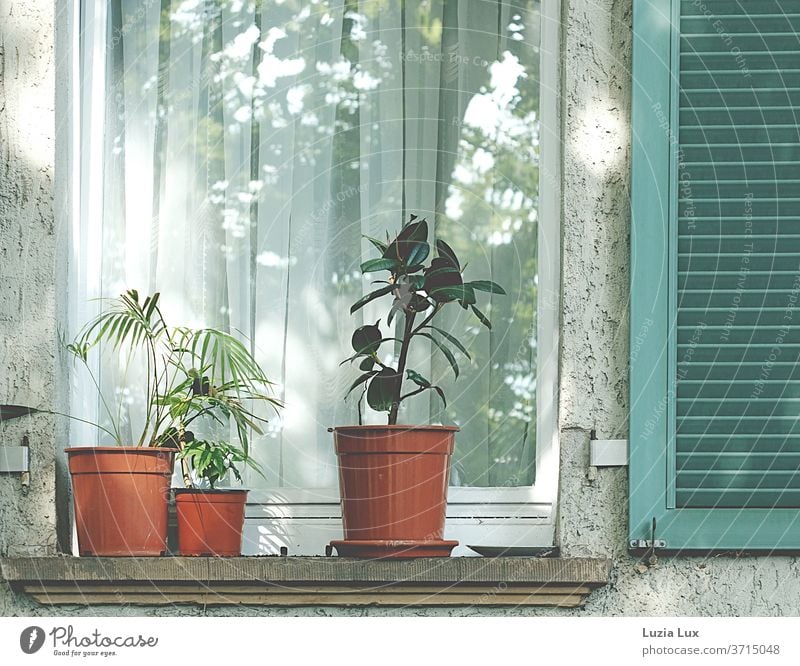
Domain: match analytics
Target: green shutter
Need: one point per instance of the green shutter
(715, 302)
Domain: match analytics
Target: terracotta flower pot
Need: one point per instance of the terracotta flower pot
(210, 521)
(120, 495)
(393, 483)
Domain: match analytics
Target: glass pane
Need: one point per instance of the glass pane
(247, 147)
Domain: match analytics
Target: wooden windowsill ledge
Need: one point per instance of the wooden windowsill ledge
(306, 581)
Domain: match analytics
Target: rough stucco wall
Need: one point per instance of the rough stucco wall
(27, 280)
(595, 248)
(593, 521)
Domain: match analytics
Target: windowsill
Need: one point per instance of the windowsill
(306, 581)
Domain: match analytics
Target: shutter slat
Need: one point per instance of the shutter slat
(724, 425)
(741, 25)
(735, 243)
(728, 406)
(733, 462)
(747, 41)
(744, 152)
(741, 479)
(724, 59)
(733, 262)
(717, 444)
(744, 135)
(727, 9)
(719, 115)
(760, 225)
(727, 353)
(720, 498)
(732, 78)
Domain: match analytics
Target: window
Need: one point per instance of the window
(716, 260)
(232, 155)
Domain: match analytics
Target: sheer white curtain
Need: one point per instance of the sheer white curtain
(233, 154)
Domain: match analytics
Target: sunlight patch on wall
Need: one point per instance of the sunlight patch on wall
(598, 139)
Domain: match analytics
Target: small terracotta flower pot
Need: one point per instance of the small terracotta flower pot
(210, 522)
(120, 495)
(393, 484)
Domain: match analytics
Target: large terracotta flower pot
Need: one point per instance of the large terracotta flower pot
(210, 521)
(393, 484)
(120, 495)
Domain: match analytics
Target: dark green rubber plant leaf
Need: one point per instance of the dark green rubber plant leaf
(446, 252)
(482, 318)
(452, 339)
(361, 302)
(419, 303)
(361, 379)
(381, 246)
(443, 281)
(467, 296)
(417, 253)
(408, 241)
(367, 339)
(487, 285)
(418, 379)
(372, 265)
(451, 359)
(382, 391)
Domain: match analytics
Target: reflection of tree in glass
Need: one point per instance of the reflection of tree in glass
(493, 197)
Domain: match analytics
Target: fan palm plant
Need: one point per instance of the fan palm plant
(190, 375)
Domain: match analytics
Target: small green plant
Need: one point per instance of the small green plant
(417, 290)
(213, 460)
(191, 375)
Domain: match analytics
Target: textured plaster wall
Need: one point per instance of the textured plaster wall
(596, 114)
(27, 268)
(596, 85)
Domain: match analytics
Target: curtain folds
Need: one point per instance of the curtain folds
(243, 148)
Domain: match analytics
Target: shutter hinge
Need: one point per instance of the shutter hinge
(650, 545)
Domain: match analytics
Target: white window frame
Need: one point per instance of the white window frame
(305, 521)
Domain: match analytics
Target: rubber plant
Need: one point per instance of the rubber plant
(393, 478)
(190, 375)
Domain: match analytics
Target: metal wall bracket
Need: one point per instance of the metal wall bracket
(608, 453)
(14, 460)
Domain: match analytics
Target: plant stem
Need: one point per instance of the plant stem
(427, 319)
(114, 422)
(401, 364)
(187, 476)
